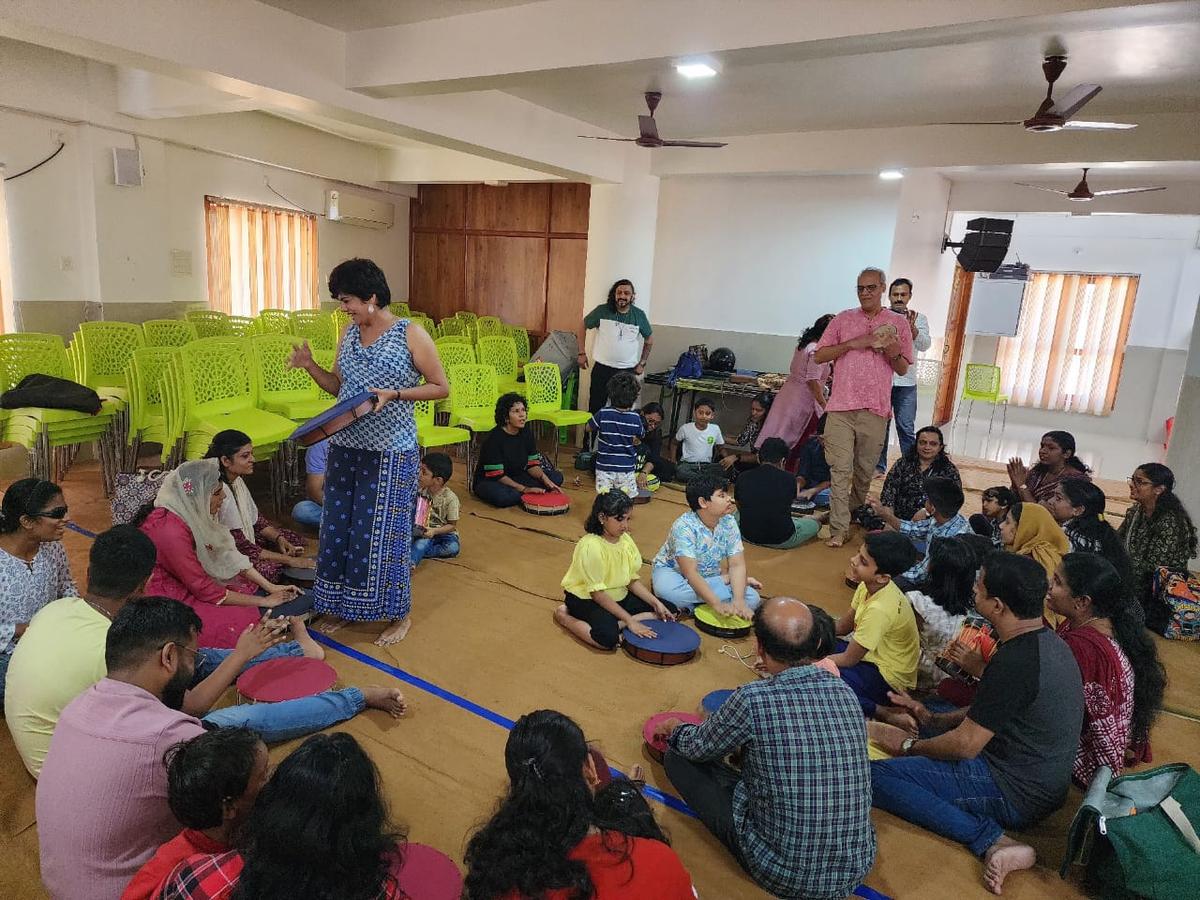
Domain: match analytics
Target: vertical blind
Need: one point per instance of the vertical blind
(259, 257)
(1070, 342)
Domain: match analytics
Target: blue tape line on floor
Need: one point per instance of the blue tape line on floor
(79, 529)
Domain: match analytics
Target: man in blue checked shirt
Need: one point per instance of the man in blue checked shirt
(798, 815)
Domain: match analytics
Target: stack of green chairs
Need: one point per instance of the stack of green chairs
(487, 326)
(401, 309)
(431, 435)
(453, 351)
(315, 327)
(425, 322)
(273, 321)
(241, 326)
(53, 436)
(499, 352)
(466, 316)
(544, 399)
(147, 413)
(520, 338)
(168, 332)
(209, 322)
(105, 349)
(473, 397)
(287, 392)
(452, 325)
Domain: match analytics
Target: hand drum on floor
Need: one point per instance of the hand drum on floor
(285, 678)
(672, 644)
(657, 746)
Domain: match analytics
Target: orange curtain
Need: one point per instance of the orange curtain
(259, 257)
(1070, 342)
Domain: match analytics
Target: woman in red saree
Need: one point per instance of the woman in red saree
(1123, 680)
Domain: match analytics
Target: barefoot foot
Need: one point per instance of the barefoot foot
(394, 633)
(836, 540)
(300, 635)
(390, 700)
(754, 583)
(1003, 857)
(329, 624)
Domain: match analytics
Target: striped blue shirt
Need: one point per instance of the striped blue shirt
(616, 430)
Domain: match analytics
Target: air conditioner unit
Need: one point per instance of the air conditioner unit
(362, 211)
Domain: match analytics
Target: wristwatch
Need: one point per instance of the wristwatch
(907, 744)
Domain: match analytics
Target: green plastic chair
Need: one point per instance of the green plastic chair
(473, 397)
(452, 325)
(425, 322)
(982, 383)
(520, 339)
(209, 322)
(499, 352)
(488, 326)
(430, 435)
(287, 392)
(273, 321)
(401, 309)
(241, 326)
(147, 413)
(168, 332)
(315, 327)
(453, 351)
(217, 389)
(106, 349)
(544, 399)
(466, 315)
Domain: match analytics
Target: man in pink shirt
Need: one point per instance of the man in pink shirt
(865, 353)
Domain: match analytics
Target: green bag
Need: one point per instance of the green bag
(1137, 834)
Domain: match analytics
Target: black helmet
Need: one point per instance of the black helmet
(722, 360)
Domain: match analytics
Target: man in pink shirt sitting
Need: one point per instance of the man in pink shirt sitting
(867, 346)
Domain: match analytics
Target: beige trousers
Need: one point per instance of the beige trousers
(852, 443)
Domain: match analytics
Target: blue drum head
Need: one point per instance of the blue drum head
(672, 637)
(712, 701)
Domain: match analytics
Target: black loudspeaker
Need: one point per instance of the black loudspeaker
(984, 246)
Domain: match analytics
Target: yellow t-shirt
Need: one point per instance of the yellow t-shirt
(885, 625)
(598, 565)
(60, 656)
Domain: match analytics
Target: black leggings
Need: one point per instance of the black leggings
(501, 495)
(606, 628)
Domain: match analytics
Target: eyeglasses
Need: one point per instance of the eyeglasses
(1139, 482)
(195, 651)
(868, 288)
(59, 512)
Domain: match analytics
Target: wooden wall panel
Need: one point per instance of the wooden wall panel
(506, 277)
(564, 297)
(440, 206)
(514, 207)
(569, 204)
(438, 273)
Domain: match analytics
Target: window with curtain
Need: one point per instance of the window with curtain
(259, 257)
(1070, 342)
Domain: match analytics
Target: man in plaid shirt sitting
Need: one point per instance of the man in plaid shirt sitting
(797, 816)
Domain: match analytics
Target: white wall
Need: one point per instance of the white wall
(766, 255)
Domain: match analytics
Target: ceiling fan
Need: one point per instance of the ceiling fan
(1056, 115)
(1082, 193)
(648, 130)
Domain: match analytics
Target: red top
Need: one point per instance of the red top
(150, 877)
(652, 871)
(179, 575)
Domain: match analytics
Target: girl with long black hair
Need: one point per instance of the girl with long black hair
(1056, 461)
(1078, 506)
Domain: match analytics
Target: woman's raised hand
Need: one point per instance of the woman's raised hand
(301, 356)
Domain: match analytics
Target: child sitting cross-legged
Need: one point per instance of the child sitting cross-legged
(618, 427)
(603, 591)
(698, 440)
(882, 645)
(438, 538)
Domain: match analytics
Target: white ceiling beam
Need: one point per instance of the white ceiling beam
(868, 150)
(478, 51)
(284, 62)
(433, 165)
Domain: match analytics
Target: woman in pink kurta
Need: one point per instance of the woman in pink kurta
(198, 563)
(801, 400)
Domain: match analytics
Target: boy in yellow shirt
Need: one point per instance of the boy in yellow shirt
(882, 645)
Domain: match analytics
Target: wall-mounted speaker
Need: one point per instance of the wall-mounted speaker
(984, 246)
(127, 167)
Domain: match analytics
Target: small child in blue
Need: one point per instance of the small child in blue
(618, 428)
(439, 538)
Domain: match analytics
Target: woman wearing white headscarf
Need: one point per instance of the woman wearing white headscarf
(198, 562)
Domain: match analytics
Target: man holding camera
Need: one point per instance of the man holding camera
(867, 346)
(904, 387)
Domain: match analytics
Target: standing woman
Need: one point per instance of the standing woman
(801, 400)
(1056, 461)
(1157, 531)
(33, 561)
(364, 564)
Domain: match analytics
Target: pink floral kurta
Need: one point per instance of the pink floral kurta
(795, 407)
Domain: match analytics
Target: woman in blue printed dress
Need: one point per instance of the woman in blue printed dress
(363, 561)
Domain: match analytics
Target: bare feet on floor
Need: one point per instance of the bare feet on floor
(300, 635)
(394, 633)
(390, 700)
(836, 540)
(328, 624)
(1003, 857)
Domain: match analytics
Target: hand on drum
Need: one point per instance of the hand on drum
(287, 548)
(661, 611)
(304, 562)
(301, 357)
(536, 490)
(969, 659)
(663, 731)
(261, 636)
(641, 629)
(641, 480)
(278, 595)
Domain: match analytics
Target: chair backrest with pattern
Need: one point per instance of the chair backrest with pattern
(314, 326)
(499, 352)
(31, 353)
(168, 332)
(454, 352)
(107, 348)
(452, 325)
(273, 321)
(486, 326)
(466, 315)
(520, 338)
(472, 387)
(209, 322)
(275, 380)
(216, 376)
(543, 386)
(242, 326)
(981, 382)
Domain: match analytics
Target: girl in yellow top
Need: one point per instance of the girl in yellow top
(603, 591)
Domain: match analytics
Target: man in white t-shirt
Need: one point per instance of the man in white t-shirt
(697, 441)
(623, 341)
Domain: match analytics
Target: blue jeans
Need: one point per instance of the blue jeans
(308, 512)
(209, 658)
(904, 411)
(671, 587)
(443, 546)
(275, 722)
(958, 800)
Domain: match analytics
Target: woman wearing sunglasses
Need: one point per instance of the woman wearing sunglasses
(33, 561)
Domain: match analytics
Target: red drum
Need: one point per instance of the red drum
(656, 746)
(334, 419)
(285, 678)
(555, 504)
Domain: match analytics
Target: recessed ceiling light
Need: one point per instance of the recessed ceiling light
(891, 174)
(695, 70)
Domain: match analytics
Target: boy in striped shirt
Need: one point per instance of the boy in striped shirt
(619, 428)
